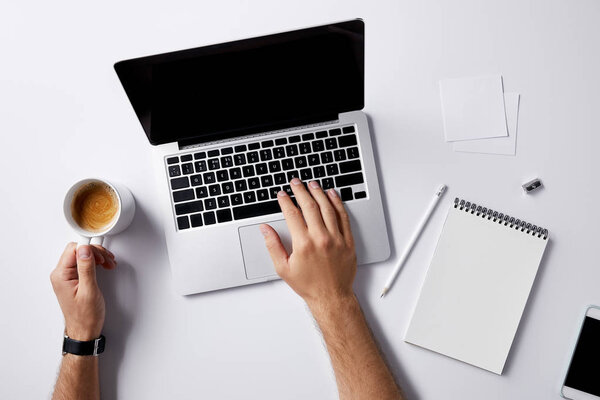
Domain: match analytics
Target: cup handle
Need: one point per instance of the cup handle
(97, 240)
(83, 241)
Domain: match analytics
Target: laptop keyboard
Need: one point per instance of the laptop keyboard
(238, 182)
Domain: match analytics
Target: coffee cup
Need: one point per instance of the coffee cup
(95, 208)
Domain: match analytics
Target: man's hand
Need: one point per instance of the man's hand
(322, 266)
(74, 282)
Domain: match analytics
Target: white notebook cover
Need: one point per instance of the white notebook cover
(476, 289)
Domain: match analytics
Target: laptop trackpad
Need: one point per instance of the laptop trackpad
(257, 261)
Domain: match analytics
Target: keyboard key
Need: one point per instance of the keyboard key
(306, 174)
(291, 150)
(280, 141)
(227, 187)
(201, 166)
(326, 157)
(201, 192)
(210, 204)
(213, 163)
(292, 174)
(174, 170)
(300, 162)
(183, 195)
(318, 145)
(240, 148)
(172, 160)
(249, 197)
(196, 180)
(200, 156)
(180, 183)
(279, 179)
(253, 183)
(278, 152)
(253, 157)
(183, 222)
(308, 136)
(321, 134)
(241, 185)
(267, 143)
(235, 173)
(188, 208)
(262, 195)
(255, 210)
(347, 141)
(266, 155)
(261, 169)
(226, 150)
(332, 169)
(288, 190)
(349, 129)
(224, 215)
(187, 157)
(213, 153)
(350, 166)
(239, 159)
(248, 170)
(335, 132)
(196, 220)
(209, 218)
(330, 144)
(274, 166)
(227, 161)
(223, 201)
(327, 183)
(187, 168)
(286, 164)
(313, 159)
(253, 146)
(319, 171)
(294, 139)
(222, 175)
(339, 155)
(266, 181)
(214, 190)
(273, 191)
(350, 179)
(352, 152)
(346, 194)
(305, 148)
(209, 178)
(360, 195)
(236, 199)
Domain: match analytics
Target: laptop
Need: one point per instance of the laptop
(231, 124)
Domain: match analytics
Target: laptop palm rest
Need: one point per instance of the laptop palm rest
(257, 260)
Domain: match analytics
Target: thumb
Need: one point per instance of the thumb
(86, 266)
(278, 254)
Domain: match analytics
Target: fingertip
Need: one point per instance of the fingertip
(84, 252)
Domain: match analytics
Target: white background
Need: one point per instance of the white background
(64, 116)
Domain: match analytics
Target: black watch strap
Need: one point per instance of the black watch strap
(79, 348)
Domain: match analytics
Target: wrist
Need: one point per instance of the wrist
(328, 307)
(82, 334)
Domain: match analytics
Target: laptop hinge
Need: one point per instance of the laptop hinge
(233, 135)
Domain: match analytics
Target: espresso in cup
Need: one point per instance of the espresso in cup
(94, 206)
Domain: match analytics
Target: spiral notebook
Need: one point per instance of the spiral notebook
(477, 285)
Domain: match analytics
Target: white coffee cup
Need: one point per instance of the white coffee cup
(122, 219)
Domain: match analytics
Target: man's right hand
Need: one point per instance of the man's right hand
(322, 265)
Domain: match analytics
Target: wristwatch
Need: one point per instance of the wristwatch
(79, 348)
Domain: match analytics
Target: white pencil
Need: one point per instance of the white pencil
(413, 239)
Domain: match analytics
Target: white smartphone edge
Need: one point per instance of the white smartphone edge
(567, 392)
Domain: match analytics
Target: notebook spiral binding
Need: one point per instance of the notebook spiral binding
(502, 219)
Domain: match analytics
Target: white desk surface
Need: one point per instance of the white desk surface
(64, 116)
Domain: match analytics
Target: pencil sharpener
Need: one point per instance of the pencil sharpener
(532, 185)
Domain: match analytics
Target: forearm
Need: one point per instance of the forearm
(77, 379)
(360, 370)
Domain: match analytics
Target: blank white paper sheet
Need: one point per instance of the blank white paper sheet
(501, 145)
(475, 290)
(473, 108)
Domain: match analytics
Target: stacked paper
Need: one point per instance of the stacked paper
(478, 116)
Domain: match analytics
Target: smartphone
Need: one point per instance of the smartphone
(582, 381)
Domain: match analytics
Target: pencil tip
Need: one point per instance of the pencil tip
(383, 293)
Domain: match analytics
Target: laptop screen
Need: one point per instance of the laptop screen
(248, 86)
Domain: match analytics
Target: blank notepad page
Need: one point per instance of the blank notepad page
(477, 286)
